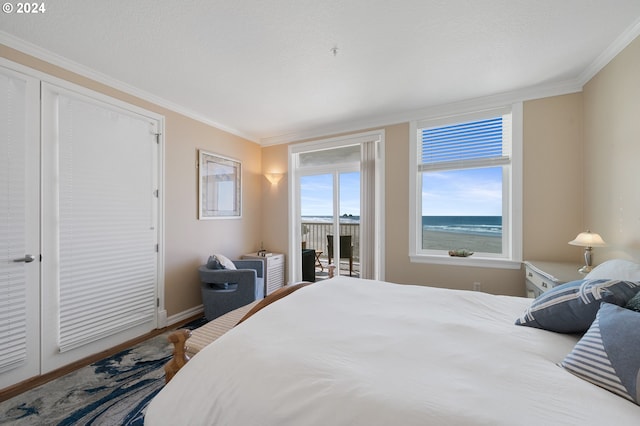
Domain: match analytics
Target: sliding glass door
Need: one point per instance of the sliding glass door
(327, 201)
(328, 228)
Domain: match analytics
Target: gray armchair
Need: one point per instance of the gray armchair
(224, 290)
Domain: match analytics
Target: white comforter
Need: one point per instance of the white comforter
(357, 352)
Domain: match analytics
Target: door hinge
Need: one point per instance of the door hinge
(157, 248)
(156, 193)
(157, 302)
(157, 138)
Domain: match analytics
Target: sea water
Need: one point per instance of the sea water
(490, 226)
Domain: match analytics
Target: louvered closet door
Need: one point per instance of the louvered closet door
(19, 228)
(101, 227)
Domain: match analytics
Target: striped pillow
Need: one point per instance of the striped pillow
(607, 355)
(572, 307)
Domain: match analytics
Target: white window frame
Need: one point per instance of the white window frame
(512, 194)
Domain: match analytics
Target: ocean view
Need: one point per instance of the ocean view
(329, 219)
(474, 233)
(474, 225)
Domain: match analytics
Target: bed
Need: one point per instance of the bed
(349, 351)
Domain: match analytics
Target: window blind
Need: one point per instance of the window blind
(107, 221)
(13, 304)
(472, 144)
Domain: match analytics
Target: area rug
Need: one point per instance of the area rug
(113, 391)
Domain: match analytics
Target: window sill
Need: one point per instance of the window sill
(471, 261)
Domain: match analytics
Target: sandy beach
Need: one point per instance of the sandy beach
(439, 240)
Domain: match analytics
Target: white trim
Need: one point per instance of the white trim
(161, 319)
(514, 249)
(476, 262)
(184, 315)
(618, 45)
(516, 198)
(81, 90)
(55, 59)
(335, 141)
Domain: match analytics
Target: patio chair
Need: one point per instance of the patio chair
(346, 250)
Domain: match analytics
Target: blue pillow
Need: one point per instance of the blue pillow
(608, 355)
(572, 307)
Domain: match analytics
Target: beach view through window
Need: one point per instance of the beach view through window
(462, 209)
(462, 173)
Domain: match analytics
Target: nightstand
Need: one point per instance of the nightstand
(542, 276)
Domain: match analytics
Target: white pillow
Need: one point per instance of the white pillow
(224, 261)
(616, 269)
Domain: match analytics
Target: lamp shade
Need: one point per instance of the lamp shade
(588, 239)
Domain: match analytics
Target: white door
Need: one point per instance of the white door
(100, 224)
(19, 229)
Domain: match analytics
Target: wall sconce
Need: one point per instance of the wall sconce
(588, 240)
(274, 178)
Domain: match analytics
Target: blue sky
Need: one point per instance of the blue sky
(475, 192)
(317, 194)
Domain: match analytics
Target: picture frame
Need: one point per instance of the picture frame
(220, 186)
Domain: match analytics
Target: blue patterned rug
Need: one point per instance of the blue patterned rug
(113, 391)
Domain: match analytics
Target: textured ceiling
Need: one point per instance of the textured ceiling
(265, 70)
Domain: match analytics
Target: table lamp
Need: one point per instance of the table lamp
(588, 240)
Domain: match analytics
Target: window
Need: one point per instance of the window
(467, 188)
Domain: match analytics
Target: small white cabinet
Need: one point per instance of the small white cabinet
(541, 276)
(273, 270)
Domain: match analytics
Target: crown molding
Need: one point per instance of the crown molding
(618, 45)
(69, 65)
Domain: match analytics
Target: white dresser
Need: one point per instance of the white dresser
(273, 270)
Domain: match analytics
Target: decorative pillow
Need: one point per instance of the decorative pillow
(634, 303)
(228, 264)
(616, 269)
(572, 307)
(608, 355)
(214, 263)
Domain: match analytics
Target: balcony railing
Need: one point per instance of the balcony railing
(314, 236)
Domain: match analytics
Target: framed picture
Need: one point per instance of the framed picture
(220, 181)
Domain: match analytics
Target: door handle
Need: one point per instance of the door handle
(28, 258)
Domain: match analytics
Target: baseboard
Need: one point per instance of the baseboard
(184, 315)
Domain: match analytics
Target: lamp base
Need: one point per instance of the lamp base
(585, 269)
